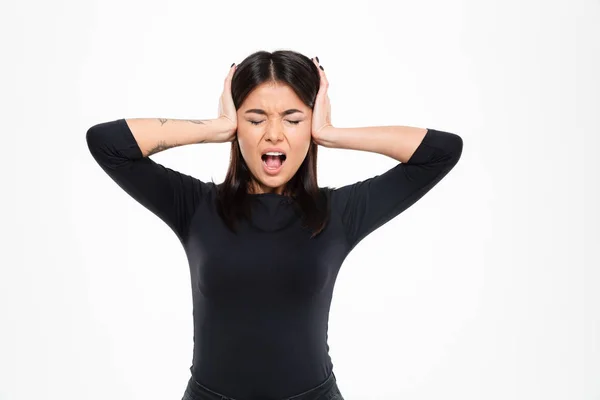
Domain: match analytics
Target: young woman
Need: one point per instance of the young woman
(265, 246)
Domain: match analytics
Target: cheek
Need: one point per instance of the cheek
(245, 144)
(299, 153)
(302, 141)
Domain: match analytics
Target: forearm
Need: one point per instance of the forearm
(397, 142)
(157, 134)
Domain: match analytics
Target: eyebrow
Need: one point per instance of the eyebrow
(262, 112)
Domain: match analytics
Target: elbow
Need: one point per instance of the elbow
(112, 145)
(93, 138)
(437, 148)
(455, 146)
(101, 144)
(96, 132)
(449, 150)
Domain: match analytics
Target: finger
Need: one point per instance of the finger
(323, 87)
(324, 81)
(230, 73)
(322, 95)
(228, 78)
(317, 63)
(315, 60)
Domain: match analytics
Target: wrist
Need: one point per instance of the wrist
(226, 125)
(325, 136)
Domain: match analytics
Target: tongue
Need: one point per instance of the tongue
(273, 162)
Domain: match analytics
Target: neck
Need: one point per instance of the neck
(256, 188)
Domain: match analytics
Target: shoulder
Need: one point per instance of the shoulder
(333, 197)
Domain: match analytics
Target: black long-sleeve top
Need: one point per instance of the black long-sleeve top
(261, 298)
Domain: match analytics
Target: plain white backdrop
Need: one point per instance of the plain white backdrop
(487, 288)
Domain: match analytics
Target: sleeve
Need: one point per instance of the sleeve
(170, 195)
(368, 204)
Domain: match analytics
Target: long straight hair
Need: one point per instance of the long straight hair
(302, 76)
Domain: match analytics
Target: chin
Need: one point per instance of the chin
(273, 182)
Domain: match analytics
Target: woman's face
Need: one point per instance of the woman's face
(273, 119)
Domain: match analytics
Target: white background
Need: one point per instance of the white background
(487, 288)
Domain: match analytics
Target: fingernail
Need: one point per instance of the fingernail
(317, 59)
(232, 65)
(320, 66)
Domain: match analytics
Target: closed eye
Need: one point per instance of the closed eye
(258, 122)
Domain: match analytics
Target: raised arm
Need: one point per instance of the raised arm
(121, 147)
(158, 134)
(425, 155)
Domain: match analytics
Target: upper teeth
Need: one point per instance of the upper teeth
(274, 153)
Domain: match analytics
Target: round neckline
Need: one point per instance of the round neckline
(267, 194)
(280, 198)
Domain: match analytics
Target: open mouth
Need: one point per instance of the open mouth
(273, 160)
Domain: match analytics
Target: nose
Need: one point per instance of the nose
(274, 132)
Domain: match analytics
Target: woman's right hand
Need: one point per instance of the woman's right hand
(227, 111)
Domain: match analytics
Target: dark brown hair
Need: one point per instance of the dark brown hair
(302, 76)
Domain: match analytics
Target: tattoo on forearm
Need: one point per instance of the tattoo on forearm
(193, 121)
(162, 145)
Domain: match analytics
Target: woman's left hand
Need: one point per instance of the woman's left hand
(321, 116)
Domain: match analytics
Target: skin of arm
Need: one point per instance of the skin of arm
(157, 134)
(397, 142)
